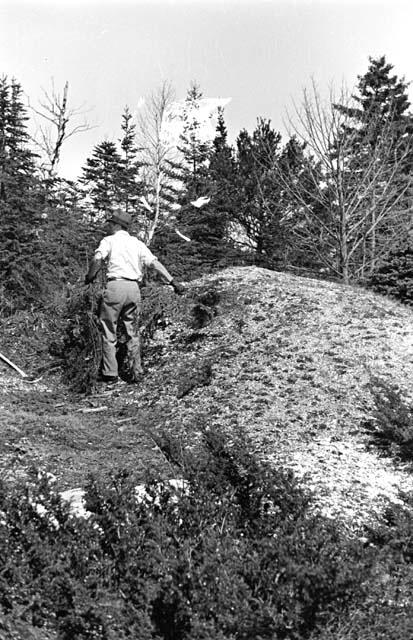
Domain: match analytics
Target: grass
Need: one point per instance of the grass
(60, 434)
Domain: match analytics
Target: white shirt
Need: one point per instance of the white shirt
(125, 255)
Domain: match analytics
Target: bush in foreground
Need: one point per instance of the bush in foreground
(391, 424)
(237, 553)
(394, 277)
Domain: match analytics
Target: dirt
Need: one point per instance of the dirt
(45, 427)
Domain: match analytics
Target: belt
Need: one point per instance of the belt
(127, 279)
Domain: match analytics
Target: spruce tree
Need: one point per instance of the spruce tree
(111, 175)
(17, 161)
(258, 208)
(20, 199)
(222, 174)
(102, 178)
(194, 150)
(191, 172)
(381, 93)
(129, 184)
(381, 108)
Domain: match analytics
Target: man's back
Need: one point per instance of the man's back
(125, 255)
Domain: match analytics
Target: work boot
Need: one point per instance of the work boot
(109, 379)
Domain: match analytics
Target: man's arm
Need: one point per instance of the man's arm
(164, 273)
(95, 267)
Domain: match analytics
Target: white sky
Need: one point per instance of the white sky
(261, 53)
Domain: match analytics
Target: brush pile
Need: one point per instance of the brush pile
(82, 349)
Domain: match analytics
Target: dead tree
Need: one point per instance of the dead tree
(56, 126)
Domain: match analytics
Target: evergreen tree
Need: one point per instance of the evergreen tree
(111, 176)
(195, 151)
(212, 177)
(222, 175)
(20, 199)
(380, 115)
(381, 104)
(191, 175)
(17, 161)
(129, 185)
(258, 210)
(394, 275)
(380, 94)
(102, 178)
(384, 102)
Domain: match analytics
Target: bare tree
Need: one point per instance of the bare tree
(56, 127)
(350, 206)
(156, 151)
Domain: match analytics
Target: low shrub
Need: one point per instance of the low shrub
(237, 553)
(391, 424)
(385, 614)
(394, 277)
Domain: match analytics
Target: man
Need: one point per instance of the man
(125, 257)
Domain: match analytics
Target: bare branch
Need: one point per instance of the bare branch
(155, 150)
(54, 110)
(364, 180)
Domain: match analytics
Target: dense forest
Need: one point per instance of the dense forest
(334, 200)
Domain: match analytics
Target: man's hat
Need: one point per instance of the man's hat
(120, 217)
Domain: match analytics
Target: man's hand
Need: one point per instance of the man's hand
(94, 269)
(177, 287)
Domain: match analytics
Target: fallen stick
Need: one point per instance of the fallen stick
(92, 410)
(14, 366)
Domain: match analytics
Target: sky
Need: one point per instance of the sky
(259, 53)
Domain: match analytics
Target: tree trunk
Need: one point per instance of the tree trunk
(157, 209)
(344, 258)
(372, 265)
